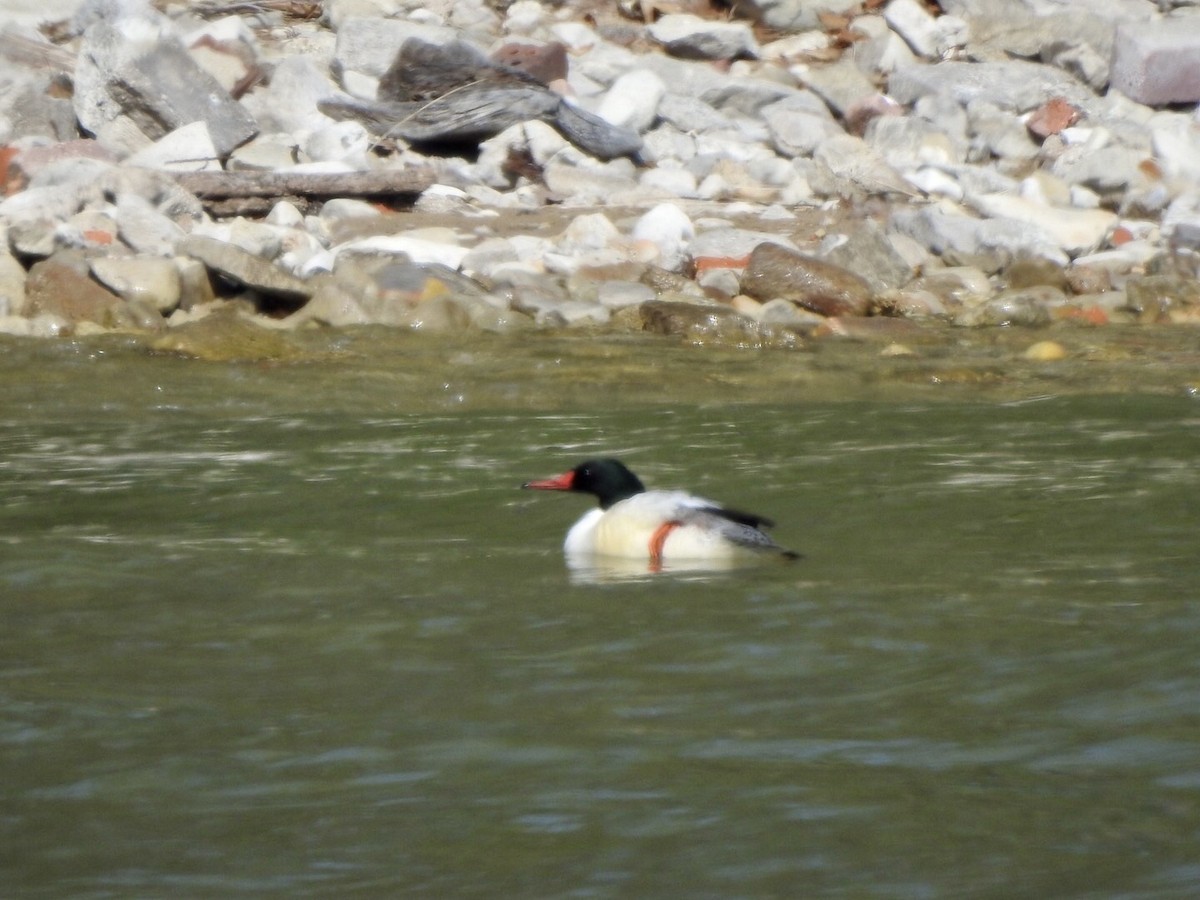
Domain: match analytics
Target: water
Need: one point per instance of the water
(261, 642)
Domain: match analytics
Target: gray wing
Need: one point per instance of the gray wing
(743, 529)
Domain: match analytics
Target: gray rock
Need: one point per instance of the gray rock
(1158, 62)
(1074, 230)
(1016, 85)
(692, 37)
(849, 167)
(732, 243)
(792, 15)
(733, 96)
(32, 13)
(962, 240)
(799, 124)
(157, 85)
(33, 111)
(245, 269)
(909, 142)
(841, 84)
(691, 114)
(1000, 133)
(1029, 307)
(1080, 60)
(881, 50)
(712, 325)
(366, 290)
(368, 44)
(290, 102)
(928, 36)
(869, 251)
(1106, 169)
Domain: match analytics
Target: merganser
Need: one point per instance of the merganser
(658, 526)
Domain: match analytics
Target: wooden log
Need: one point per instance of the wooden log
(225, 185)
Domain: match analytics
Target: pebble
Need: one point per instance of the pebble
(1045, 351)
(983, 168)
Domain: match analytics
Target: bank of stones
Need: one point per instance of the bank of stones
(514, 167)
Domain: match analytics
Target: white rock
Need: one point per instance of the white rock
(12, 282)
(669, 229)
(545, 144)
(341, 209)
(669, 182)
(576, 35)
(267, 152)
(928, 36)
(1074, 230)
(419, 250)
(346, 142)
(186, 149)
(1176, 143)
(153, 279)
(285, 215)
(666, 142)
(806, 43)
(883, 50)
(588, 232)
(935, 183)
(524, 17)
(632, 101)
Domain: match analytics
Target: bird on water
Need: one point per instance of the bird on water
(660, 526)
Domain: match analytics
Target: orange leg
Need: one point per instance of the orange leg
(657, 540)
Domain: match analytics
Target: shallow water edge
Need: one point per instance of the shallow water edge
(391, 370)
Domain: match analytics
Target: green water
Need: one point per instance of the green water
(293, 631)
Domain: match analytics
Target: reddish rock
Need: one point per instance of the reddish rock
(56, 288)
(31, 161)
(1051, 118)
(546, 62)
(1121, 235)
(864, 110)
(775, 271)
(10, 180)
(701, 264)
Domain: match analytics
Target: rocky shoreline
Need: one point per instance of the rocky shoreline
(756, 175)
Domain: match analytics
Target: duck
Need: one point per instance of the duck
(660, 527)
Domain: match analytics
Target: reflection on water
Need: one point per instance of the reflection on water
(595, 569)
(337, 652)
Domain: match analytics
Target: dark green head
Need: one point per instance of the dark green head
(608, 479)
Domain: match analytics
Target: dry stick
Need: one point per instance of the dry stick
(223, 185)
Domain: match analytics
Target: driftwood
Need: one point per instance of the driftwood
(226, 185)
(254, 193)
(454, 94)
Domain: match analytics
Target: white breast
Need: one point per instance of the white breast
(629, 528)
